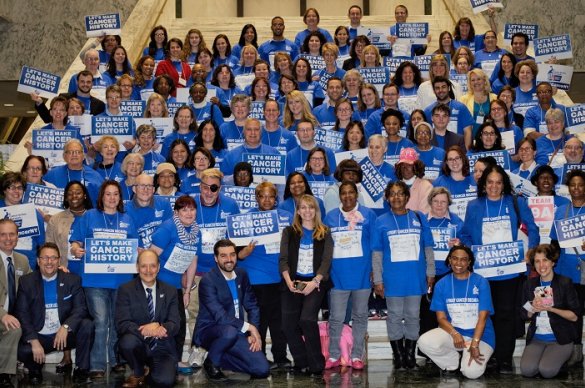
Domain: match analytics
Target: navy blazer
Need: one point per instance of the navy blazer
(451, 139)
(30, 303)
(132, 308)
(564, 297)
(216, 305)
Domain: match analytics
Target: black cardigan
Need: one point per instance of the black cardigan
(289, 253)
(565, 298)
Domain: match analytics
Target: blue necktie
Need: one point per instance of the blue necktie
(11, 286)
(151, 341)
(150, 304)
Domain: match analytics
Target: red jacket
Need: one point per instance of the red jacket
(167, 67)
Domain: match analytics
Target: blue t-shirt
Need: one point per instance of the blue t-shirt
(148, 218)
(441, 229)
(452, 294)
(94, 224)
(166, 238)
(306, 251)
(402, 240)
(262, 263)
(433, 160)
(352, 262)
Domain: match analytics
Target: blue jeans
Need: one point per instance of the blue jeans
(359, 312)
(101, 303)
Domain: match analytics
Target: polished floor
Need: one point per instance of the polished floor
(378, 373)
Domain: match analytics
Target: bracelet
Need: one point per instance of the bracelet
(453, 333)
(474, 347)
(316, 281)
(476, 340)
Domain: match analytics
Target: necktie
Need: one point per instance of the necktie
(150, 304)
(11, 286)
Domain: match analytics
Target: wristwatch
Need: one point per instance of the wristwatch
(66, 326)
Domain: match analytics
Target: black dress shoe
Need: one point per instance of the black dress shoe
(35, 377)
(6, 380)
(212, 371)
(64, 368)
(286, 364)
(506, 368)
(81, 376)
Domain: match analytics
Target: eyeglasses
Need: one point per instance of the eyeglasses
(397, 195)
(15, 188)
(488, 133)
(144, 187)
(49, 258)
(455, 159)
(41, 169)
(260, 196)
(74, 152)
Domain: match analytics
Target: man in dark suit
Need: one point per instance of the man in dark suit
(147, 320)
(442, 137)
(224, 294)
(12, 266)
(84, 85)
(53, 315)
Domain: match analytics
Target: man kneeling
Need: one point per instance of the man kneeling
(224, 294)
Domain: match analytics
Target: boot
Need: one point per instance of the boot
(409, 360)
(397, 354)
(576, 356)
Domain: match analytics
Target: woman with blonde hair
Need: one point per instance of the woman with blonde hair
(156, 107)
(370, 57)
(297, 108)
(306, 250)
(477, 99)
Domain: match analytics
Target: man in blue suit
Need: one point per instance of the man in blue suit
(53, 316)
(147, 320)
(224, 294)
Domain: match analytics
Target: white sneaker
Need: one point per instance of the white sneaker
(197, 357)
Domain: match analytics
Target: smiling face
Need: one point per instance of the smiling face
(314, 45)
(317, 162)
(156, 108)
(545, 184)
(494, 186)
(109, 150)
(525, 75)
(266, 199)
(354, 136)
(397, 199)
(297, 186)
(8, 237)
(34, 171)
(179, 155)
(208, 133)
(344, 111)
(301, 70)
(186, 215)
(454, 162)
(119, 56)
(48, 261)
(201, 161)
(111, 199)
(75, 197)
(226, 259)
(440, 205)
(221, 46)
(368, 97)
(392, 126)
(307, 212)
(194, 39)
(148, 267)
(208, 196)
(577, 189)
(377, 150)
(348, 197)
(459, 262)
(58, 112)
(488, 137)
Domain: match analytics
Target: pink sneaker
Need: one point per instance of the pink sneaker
(331, 363)
(357, 364)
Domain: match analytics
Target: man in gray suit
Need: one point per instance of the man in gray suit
(12, 266)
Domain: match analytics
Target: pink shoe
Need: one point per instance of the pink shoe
(331, 363)
(357, 364)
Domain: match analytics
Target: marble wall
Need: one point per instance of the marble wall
(48, 34)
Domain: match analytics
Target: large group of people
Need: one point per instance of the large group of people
(399, 193)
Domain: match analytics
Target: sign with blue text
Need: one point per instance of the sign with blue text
(24, 216)
(38, 81)
(553, 47)
(121, 127)
(49, 143)
(49, 200)
(100, 25)
(261, 227)
(571, 232)
(244, 196)
(529, 29)
(499, 259)
(414, 33)
(110, 255)
(267, 167)
(483, 5)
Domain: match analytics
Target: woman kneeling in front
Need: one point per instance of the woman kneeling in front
(463, 303)
(551, 305)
